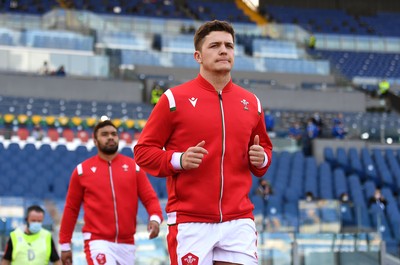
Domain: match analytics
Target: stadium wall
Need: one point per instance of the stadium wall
(311, 100)
(71, 88)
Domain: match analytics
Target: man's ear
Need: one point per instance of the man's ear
(197, 56)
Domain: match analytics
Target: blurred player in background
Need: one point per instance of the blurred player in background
(109, 186)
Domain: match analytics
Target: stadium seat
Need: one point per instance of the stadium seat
(342, 159)
(329, 156)
(369, 188)
(68, 134)
(347, 216)
(369, 166)
(326, 182)
(127, 151)
(356, 191)
(291, 214)
(23, 133)
(83, 136)
(53, 134)
(310, 177)
(127, 137)
(355, 163)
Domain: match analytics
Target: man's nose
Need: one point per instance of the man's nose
(223, 49)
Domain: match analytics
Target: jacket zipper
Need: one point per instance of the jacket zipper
(222, 156)
(114, 201)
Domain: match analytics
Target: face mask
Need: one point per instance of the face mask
(35, 227)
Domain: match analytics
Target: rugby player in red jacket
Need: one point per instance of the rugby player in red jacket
(208, 137)
(108, 186)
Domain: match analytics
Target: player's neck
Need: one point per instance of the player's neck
(217, 79)
(107, 157)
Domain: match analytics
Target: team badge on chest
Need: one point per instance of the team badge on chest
(245, 104)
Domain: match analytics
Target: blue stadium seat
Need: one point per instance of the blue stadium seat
(383, 170)
(329, 215)
(291, 213)
(60, 188)
(347, 215)
(292, 194)
(310, 176)
(340, 182)
(342, 159)
(356, 192)
(382, 225)
(127, 151)
(369, 188)
(326, 182)
(355, 163)
(329, 156)
(369, 166)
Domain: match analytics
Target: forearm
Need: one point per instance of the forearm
(5, 262)
(153, 160)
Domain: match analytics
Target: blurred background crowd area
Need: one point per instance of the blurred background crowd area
(326, 72)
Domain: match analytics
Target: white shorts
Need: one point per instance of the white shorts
(99, 252)
(203, 243)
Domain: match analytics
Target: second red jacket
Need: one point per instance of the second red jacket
(109, 192)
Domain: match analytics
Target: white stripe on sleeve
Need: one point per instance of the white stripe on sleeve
(171, 99)
(79, 168)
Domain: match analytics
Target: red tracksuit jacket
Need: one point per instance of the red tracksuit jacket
(109, 192)
(218, 190)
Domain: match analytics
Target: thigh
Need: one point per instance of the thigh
(124, 254)
(98, 252)
(238, 243)
(191, 243)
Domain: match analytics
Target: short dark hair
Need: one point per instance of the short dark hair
(208, 27)
(33, 208)
(102, 124)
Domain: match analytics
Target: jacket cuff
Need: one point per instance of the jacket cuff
(176, 160)
(265, 161)
(65, 247)
(155, 218)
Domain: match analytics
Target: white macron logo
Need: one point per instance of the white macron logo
(193, 101)
(93, 169)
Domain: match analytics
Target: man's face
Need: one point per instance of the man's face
(35, 216)
(217, 52)
(107, 140)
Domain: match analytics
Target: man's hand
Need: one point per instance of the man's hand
(66, 257)
(193, 156)
(154, 228)
(256, 153)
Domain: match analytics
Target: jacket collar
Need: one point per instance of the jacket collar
(207, 85)
(116, 158)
